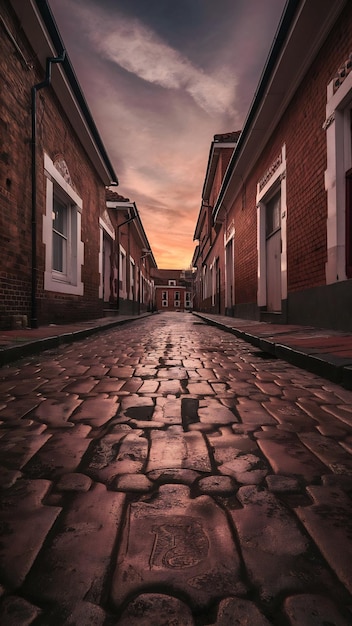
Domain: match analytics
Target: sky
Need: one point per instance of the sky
(161, 78)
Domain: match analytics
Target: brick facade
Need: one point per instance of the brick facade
(292, 164)
(59, 140)
(173, 290)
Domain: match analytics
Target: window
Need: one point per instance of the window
(272, 217)
(164, 295)
(122, 273)
(164, 303)
(338, 183)
(172, 283)
(132, 279)
(64, 250)
(60, 230)
(177, 295)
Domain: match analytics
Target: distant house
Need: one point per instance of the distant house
(209, 254)
(57, 228)
(127, 259)
(279, 226)
(173, 289)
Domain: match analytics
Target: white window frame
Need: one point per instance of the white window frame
(122, 273)
(133, 285)
(172, 283)
(275, 183)
(69, 281)
(339, 160)
(229, 254)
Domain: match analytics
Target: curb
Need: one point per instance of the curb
(14, 353)
(335, 369)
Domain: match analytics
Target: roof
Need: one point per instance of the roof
(303, 28)
(115, 201)
(221, 141)
(40, 28)
(113, 196)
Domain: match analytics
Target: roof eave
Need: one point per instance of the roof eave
(41, 30)
(297, 41)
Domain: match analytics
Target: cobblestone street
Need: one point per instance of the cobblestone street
(168, 473)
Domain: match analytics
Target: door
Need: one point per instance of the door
(107, 267)
(273, 253)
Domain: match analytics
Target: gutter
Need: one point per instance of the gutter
(45, 83)
(52, 28)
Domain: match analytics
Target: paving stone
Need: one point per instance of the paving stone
(149, 386)
(252, 412)
(132, 385)
(329, 452)
(74, 482)
(289, 413)
(96, 411)
(83, 386)
(25, 518)
(247, 469)
(282, 484)
(339, 412)
(227, 446)
(170, 387)
(72, 567)
(190, 364)
(172, 373)
(288, 456)
(181, 476)
(178, 542)
(329, 522)
(16, 611)
(146, 425)
(269, 389)
(174, 449)
(217, 485)
(83, 613)
(109, 385)
(313, 610)
(121, 372)
(212, 411)
(59, 455)
(17, 409)
(112, 458)
(17, 448)
(56, 411)
(158, 610)
(134, 483)
(273, 547)
(25, 387)
(239, 612)
(200, 388)
(8, 477)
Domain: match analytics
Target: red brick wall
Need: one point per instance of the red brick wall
(171, 298)
(301, 130)
(55, 136)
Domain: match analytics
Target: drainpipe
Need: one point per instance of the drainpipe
(45, 83)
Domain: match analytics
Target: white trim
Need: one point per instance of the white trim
(276, 180)
(339, 160)
(53, 281)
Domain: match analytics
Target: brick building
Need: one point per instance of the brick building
(126, 254)
(173, 289)
(60, 234)
(279, 226)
